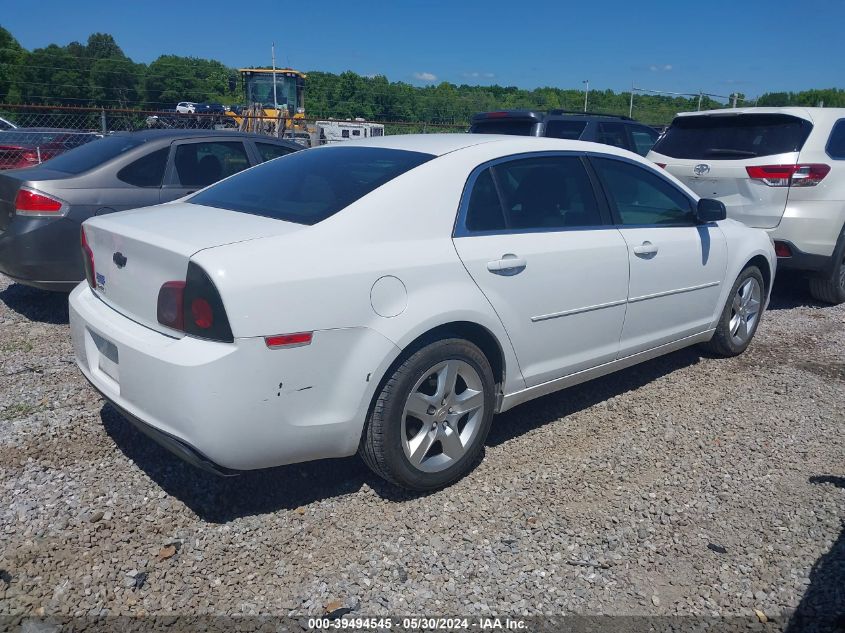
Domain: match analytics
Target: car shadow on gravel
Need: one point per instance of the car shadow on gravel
(791, 290)
(222, 499)
(822, 607)
(36, 305)
(541, 411)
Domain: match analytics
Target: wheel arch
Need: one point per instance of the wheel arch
(765, 268)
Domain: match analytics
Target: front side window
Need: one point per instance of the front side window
(836, 143)
(201, 164)
(533, 194)
(147, 171)
(308, 187)
(640, 197)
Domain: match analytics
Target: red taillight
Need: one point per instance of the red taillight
(31, 203)
(88, 260)
(202, 313)
(288, 340)
(194, 307)
(782, 249)
(806, 175)
(30, 157)
(170, 310)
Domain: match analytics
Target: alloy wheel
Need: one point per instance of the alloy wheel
(745, 310)
(442, 416)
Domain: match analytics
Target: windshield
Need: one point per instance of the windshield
(259, 89)
(733, 137)
(308, 187)
(92, 154)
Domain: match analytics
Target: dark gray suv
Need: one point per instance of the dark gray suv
(620, 131)
(41, 208)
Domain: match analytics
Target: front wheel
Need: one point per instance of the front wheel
(429, 422)
(741, 315)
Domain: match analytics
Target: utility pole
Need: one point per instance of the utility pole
(586, 92)
(700, 94)
(631, 104)
(735, 97)
(273, 56)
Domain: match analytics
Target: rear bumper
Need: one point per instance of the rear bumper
(806, 262)
(813, 226)
(42, 252)
(231, 406)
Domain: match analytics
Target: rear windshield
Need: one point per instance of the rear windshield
(308, 187)
(95, 153)
(40, 138)
(570, 130)
(733, 137)
(514, 127)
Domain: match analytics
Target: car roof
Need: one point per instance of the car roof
(543, 115)
(503, 144)
(808, 113)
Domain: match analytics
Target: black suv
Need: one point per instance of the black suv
(610, 129)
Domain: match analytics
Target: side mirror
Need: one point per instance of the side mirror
(710, 210)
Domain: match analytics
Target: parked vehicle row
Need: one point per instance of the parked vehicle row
(779, 169)
(25, 147)
(42, 208)
(388, 296)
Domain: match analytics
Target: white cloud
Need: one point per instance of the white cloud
(662, 68)
(424, 76)
(478, 75)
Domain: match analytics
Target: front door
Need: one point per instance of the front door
(533, 238)
(677, 266)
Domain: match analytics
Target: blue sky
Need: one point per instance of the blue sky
(749, 46)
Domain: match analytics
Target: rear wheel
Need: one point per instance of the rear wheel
(741, 315)
(429, 422)
(830, 289)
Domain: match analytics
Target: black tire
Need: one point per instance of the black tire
(830, 289)
(723, 342)
(382, 444)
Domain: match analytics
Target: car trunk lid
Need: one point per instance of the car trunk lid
(138, 251)
(711, 154)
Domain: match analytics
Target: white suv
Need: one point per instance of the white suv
(780, 169)
(186, 107)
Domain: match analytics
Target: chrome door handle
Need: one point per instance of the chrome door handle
(509, 265)
(646, 250)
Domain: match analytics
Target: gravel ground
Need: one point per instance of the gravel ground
(687, 486)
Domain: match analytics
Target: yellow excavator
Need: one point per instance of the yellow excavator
(275, 102)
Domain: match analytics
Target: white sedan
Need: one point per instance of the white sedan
(389, 296)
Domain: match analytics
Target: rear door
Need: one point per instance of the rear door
(676, 265)
(536, 241)
(712, 154)
(197, 164)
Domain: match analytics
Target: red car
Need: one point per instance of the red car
(26, 147)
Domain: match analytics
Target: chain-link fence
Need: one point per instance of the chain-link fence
(34, 134)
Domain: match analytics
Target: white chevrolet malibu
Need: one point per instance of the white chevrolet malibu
(389, 296)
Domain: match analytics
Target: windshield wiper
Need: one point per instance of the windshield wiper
(731, 152)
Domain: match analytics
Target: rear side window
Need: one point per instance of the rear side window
(147, 171)
(733, 136)
(640, 196)
(533, 194)
(836, 144)
(94, 153)
(643, 139)
(570, 130)
(513, 127)
(612, 134)
(268, 151)
(201, 164)
(308, 187)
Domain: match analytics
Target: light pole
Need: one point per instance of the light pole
(586, 82)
